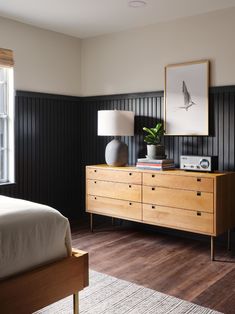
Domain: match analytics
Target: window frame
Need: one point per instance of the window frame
(8, 166)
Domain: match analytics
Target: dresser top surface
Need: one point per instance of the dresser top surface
(164, 172)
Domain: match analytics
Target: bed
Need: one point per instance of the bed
(37, 264)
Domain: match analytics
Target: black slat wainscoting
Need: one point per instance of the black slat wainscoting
(56, 137)
(149, 109)
(47, 151)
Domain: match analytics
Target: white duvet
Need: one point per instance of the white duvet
(30, 235)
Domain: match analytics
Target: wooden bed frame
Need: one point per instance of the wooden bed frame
(32, 290)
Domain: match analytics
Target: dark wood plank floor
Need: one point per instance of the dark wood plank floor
(173, 265)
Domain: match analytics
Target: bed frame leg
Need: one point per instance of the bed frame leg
(75, 303)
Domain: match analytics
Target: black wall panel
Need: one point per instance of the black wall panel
(47, 151)
(56, 137)
(149, 109)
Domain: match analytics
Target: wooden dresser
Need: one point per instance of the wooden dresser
(197, 202)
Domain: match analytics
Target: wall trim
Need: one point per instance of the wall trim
(226, 88)
(22, 93)
(126, 95)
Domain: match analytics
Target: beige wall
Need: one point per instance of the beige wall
(133, 61)
(130, 61)
(45, 61)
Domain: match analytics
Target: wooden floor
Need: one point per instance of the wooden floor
(173, 265)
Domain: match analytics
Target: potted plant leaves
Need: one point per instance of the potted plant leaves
(155, 150)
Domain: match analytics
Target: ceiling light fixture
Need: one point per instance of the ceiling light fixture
(137, 3)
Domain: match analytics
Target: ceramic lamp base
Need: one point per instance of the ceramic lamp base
(116, 153)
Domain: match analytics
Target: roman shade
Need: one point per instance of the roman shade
(6, 58)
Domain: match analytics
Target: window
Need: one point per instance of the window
(6, 119)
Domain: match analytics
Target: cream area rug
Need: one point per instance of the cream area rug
(109, 295)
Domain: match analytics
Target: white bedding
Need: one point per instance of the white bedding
(30, 235)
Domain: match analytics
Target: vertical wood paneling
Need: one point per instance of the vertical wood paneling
(231, 131)
(47, 151)
(56, 137)
(149, 109)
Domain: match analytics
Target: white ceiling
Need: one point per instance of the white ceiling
(86, 18)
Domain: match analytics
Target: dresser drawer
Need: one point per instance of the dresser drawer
(114, 176)
(185, 199)
(179, 182)
(114, 207)
(178, 218)
(123, 191)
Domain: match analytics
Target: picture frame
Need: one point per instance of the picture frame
(186, 99)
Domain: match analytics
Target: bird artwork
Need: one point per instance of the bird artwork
(188, 103)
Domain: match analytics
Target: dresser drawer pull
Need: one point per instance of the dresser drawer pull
(198, 193)
(95, 170)
(153, 175)
(95, 182)
(153, 207)
(199, 213)
(198, 179)
(130, 203)
(95, 197)
(129, 186)
(130, 174)
(153, 189)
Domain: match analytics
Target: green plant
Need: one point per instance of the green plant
(154, 134)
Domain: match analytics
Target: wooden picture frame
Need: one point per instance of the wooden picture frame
(186, 99)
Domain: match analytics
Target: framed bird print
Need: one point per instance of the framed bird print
(186, 98)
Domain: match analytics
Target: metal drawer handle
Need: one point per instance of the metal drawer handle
(153, 175)
(198, 193)
(130, 203)
(153, 207)
(130, 174)
(199, 213)
(129, 186)
(198, 179)
(153, 189)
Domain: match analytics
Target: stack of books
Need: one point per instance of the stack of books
(155, 164)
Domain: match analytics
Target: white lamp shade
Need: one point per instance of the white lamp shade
(116, 123)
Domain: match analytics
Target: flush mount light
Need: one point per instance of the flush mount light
(137, 3)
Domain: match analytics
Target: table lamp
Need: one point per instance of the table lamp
(116, 123)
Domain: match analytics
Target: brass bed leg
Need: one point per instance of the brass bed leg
(91, 222)
(212, 249)
(75, 303)
(229, 240)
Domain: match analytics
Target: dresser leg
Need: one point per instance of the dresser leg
(75, 303)
(91, 222)
(229, 240)
(212, 248)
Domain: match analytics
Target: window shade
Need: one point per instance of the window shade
(6, 58)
